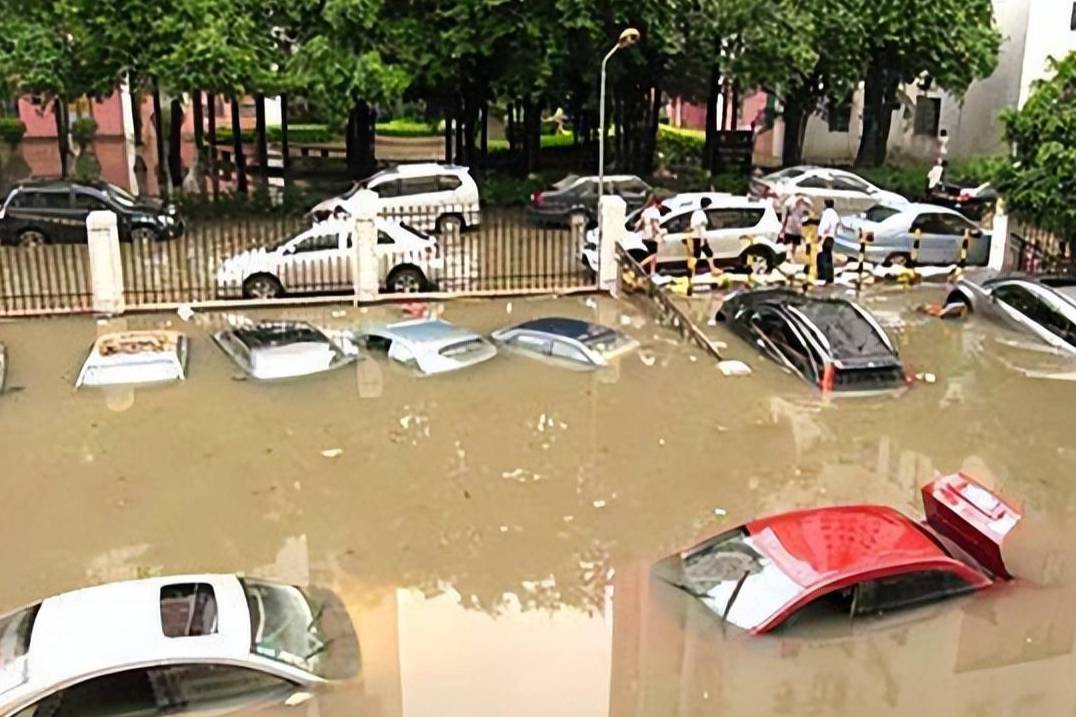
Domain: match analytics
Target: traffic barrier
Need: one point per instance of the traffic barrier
(916, 246)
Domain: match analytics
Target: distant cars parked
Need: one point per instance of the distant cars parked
(205, 643)
(438, 198)
(568, 341)
(831, 343)
(270, 350)
(741, 231)
(428, 346)
(941, 232)
(135, 357)
(319, 260)
(849, 192)
(1044, 307)
(854, 561)
(576, 196)
(54, 212)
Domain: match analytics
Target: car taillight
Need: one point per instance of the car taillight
(536, 198)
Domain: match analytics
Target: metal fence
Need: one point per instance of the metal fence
(1036, 251)
(263, 258)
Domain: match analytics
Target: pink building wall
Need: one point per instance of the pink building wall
(40, 121)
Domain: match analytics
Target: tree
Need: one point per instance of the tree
(1040, 180)
(953, 42)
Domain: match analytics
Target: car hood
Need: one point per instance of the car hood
(890, 198)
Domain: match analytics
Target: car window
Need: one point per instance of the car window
(907, 590)
(382, 238)
(850, 184)
(733, 218)
(816, 182)
(931, 223)
(677, 224)
(285, 626)
(318, 242)
(534, 344)
(565, 350)
(49, 200)
(158, 690)
(880, 213)
(188, 610)
(448, 183)
(463, 350)
(15, 630)
(388, 188)
(955, 224)
(89, 202)
(786, 341)
(418, 185)
(633, 186)
(1037, 310)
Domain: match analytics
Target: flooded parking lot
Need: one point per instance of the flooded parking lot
(491, 530)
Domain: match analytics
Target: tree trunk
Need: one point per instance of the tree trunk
(461, 153)
(284, 132)
(795, 118)
(351, 140)
(712, 100)
(214, 177)
(485, 138)
(199, 120)
(448, 137)
(60, 115)
(364, 138)
(652, 130)
(175, 141)
(879, 93)
(158, 131)
(237, 147)
(261, 146)
(136, 114)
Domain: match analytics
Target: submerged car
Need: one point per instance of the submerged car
(318, 260)
(576, 196)
(857, 560)
(270, 350)
(135, 357)
(429, 346)
(832, 343)
(1042, 306)
(199, 642)
(579, 343)
(941, 235)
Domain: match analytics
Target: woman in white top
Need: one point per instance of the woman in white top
(649, 225)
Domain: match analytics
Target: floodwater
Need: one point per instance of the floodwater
(491, 531)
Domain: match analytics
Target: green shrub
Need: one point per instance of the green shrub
(297, 133)
(549, 141)
(909, 182)
(83, 130)
(500, 190)
(12, 130)
(87, 168)
(680, 147)
(406, 128)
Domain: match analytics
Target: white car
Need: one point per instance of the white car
(850, 192)
(319, 260)
(269, 350)
(145, 647)
(429, 346)
(741, 231)
(135, 357)
(440, 198)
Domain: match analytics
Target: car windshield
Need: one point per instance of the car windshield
(880, 213)
(732, 564)
(790, 173)
(272, 334)
(138, 369)
(120, 195)
(285, 626)
(15, 632)
(413, 230)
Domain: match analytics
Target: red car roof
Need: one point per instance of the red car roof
(825, 545)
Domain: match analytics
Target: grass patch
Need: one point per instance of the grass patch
(403, 127)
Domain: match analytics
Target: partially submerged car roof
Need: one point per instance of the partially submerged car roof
(282, 349)
(569, 328)
(434, 345)
(134, 357)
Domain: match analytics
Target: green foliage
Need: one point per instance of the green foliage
(12, 130)
(297, 134)
(549, 141)
(1040, 181)
(402, 127)
(678, 148)
(910, 181)
(83, 130)
(87, 167)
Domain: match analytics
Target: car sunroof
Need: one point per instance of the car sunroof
(188, 610)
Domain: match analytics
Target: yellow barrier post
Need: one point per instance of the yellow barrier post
(864, 237)
(916, 245)
(810, 241)
(964, 249)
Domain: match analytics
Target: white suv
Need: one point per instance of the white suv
(741, 231)
(318, 260)
(430, 197)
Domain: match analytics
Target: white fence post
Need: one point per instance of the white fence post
(999, 237)
(364, 263)
(612, 213)
(106, 266)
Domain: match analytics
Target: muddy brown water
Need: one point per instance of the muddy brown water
(491, 531)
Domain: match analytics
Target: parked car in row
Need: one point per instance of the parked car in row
(209, 643)
(849, 192)
(941, 233)
(973, 202)
(269, 350)
(42, 212)
(1043, 307)
(319, 260)
(135, 357)
(441, 198)
(852, 561)
(427, 346)
(569, 342)
(577, 197)
(834, 344)
(741, 231)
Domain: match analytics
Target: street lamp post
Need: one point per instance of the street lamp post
(628, 38)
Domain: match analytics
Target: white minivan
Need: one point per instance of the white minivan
(439, 198)
(318, 260)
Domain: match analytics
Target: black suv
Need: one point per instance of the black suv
(55, 211)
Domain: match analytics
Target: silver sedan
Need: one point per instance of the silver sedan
(941, 233)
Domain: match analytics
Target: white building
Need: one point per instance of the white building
(1032, 32)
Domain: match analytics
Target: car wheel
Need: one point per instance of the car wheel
(144, 234)
(898, 259)
(449, 225)
(32, 237)
(407, 280)
(758, 260)
(262, 286)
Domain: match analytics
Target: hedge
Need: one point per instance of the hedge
(406, 128)
(12, 129)
(911, 181)
(301, 133)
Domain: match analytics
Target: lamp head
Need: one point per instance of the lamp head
(628, 38)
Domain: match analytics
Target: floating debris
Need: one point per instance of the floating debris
(332, 453)
(732, 367)
(926, 377)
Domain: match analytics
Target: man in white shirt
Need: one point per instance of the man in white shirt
(936, 175)
(698, 247)
(828, 225)
(650, 226)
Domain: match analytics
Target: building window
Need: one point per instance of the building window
(839, 115)
(927, 115)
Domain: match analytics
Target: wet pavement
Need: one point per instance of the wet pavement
(490, 531)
